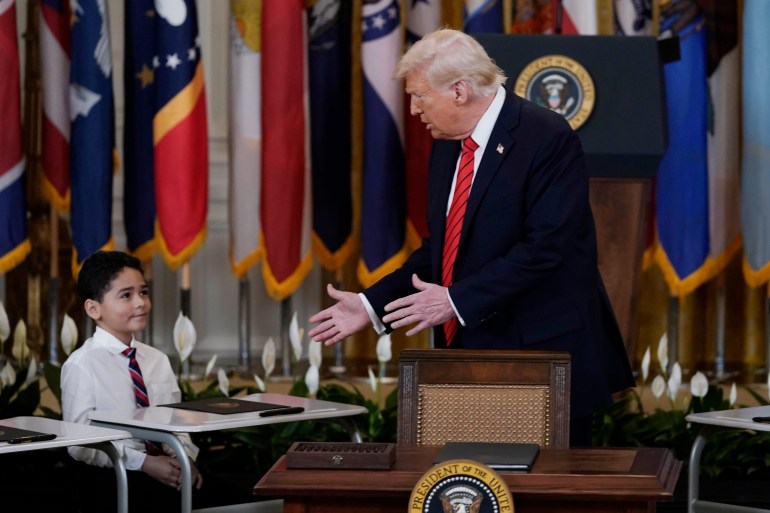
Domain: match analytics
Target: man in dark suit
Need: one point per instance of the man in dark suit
(512, 263)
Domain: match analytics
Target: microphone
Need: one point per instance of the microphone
(559, 10)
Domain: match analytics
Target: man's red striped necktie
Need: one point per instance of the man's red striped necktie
(454, 224)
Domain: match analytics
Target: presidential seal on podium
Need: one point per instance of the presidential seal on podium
(561, 84)
(461, 486)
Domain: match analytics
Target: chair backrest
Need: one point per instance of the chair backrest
(483, 396)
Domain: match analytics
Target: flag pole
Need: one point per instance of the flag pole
(285, 342)
(244, 324)
(767, 329)
(719, 358)
(673, 330)
(53, 290)
(185, 302)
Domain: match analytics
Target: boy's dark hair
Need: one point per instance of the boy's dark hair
(98, 271)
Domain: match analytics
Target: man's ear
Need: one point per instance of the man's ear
(93, 309)
(461, 92)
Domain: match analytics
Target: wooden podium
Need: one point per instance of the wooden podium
(575, 480)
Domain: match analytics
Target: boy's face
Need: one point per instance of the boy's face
(125, 306)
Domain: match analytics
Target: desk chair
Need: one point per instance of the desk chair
(483, 396)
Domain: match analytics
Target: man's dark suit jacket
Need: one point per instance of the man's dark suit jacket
(526, 274)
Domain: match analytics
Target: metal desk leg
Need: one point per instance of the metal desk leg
(694, 471)
(172, 441)
(120, 473)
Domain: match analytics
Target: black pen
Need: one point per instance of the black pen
(281, 411)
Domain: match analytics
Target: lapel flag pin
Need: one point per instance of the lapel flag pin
(500, 149)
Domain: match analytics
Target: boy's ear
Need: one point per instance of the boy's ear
(93, 309)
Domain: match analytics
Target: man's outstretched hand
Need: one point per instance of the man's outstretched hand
(340, 320)
(427, 307)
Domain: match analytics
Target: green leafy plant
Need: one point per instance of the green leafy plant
(728, 452)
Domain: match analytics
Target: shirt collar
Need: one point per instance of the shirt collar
(484, 127)
(109, 342)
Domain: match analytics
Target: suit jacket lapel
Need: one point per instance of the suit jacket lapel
(501, 141)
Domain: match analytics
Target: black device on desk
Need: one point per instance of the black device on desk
(13, 435)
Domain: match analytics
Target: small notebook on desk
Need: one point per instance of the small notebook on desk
(225, 406)
(497, 456)
(19, 436)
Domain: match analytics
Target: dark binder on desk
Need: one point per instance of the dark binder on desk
(19, 436)
(225, 406)
(497, 456)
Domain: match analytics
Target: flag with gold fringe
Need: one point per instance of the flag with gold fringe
(245, 135)
(285, 193)
(180, 133)
(55, 49)
(329, 77)
(383, 219)
(139, 214)
(682, 208)
(92, 131)
(14, 245)
(755, 188)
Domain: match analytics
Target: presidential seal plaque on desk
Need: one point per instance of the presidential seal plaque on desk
(461, 485)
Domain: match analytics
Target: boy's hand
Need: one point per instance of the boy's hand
(165, 469)
(197, 478)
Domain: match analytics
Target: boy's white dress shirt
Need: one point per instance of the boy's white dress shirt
(95, 377)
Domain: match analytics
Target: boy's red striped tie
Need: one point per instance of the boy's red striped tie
(140, 393)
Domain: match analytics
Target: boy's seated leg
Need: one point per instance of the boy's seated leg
(98, 492)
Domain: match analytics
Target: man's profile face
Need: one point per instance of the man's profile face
(437, 107)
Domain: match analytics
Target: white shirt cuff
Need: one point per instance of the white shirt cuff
(452, 304)
(376, 323)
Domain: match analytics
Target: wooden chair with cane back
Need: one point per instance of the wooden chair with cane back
(483, 396)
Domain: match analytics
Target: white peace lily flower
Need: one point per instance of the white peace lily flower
(372, 380)
(295, 336)
(383, 348)
(674, 381)
(699, 385)
(210, 366)
(311, 379)
(184, 337)
(663, 352)
(646, 365)
(69, 334)
(7, 375)
(658, 386)
(314, 355)
(5, 325)
(20, 350)
(260, 383)
(31, 371)
(268, 357)
(224, 383)
(733, 394)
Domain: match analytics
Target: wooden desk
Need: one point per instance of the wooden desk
(575, 480)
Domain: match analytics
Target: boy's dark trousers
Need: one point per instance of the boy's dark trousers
(97, 492)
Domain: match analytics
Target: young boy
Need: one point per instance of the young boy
(96, 377)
